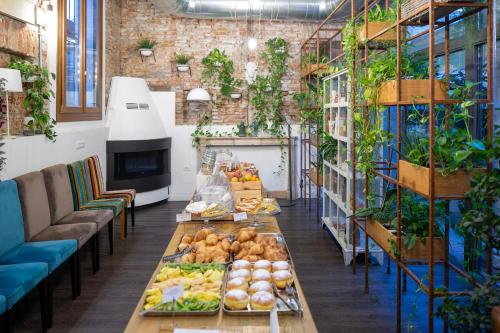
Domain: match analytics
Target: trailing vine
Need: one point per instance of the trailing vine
(218, 72)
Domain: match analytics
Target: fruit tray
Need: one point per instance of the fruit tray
(289, 294)
(179, 309)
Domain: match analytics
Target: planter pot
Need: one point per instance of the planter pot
(235, 95)
(416, 178)
(314, 69)
(412, 91)
(376, 27)
(385, 238)
(182, 67)
(409, 8)
(146, 52)
(315, 176)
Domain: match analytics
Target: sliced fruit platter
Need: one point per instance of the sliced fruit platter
(201, 290)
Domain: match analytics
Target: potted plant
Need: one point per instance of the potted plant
(379, 20)
(218, 71)
(145, 46)
(311, 65)
(182, 61)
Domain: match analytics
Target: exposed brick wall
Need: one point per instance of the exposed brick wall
(195, 37)
(21, 40)
(112, 31)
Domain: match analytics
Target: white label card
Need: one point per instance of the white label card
(184, 217)
(240, 216)
(172, 293)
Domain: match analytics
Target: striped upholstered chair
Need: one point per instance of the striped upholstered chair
(79, 176)
(98, 187)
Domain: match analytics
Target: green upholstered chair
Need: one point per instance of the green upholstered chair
(62, 207)
(18, 280)
(14, 249)
(83, 198)
(37, 219)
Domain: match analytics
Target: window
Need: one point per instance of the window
(79, 60)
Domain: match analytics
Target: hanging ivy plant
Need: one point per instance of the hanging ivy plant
(218, 72)
(37, 96)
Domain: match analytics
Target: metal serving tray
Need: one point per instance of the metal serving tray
(177, 256)
(281, 240)
(292, 299)
(158, 313)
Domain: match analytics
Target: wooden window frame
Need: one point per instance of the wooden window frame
(82, 113)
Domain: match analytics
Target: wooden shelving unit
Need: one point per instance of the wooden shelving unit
(390, 170)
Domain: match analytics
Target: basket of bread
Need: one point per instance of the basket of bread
(255, 288)
(200, 290)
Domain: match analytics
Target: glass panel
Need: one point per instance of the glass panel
(91, 52)
(73, 52)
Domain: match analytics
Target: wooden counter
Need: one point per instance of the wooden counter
(222, 321)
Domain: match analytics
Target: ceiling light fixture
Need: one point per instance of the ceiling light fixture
(322, 5)
(252, 43)
(191, 4)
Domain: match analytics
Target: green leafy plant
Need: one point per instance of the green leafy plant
(182, 59)
(218, 72)
(328, 148)
(312, 58)
(37, 96)
(146, 43)
(377, 14)
(472, 314)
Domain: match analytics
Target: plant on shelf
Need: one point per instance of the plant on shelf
(218, 72)
(37, 96)
(182, 62)
(312, 59)
(145, 46)
(328, 148)
(472, 313)
(377, 14)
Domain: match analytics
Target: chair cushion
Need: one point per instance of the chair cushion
(82, 232)
(11, 217)
(18, 280)
(58, 191)
(99, 216)
(116, 205)
(53, 253)
(3, 304)
(34, 203)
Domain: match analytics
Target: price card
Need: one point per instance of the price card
(172, 293)
(240, 216)
(184, 217)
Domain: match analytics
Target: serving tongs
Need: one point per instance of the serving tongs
(294, 310)
(174, 256)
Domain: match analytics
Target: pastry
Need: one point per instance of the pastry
(202, 234)
(262, 264)
(281, 266)
(242, 273)
(236, 299)
(282, 278)
(261, 275)
(214, 210)
(253, 247)
(237, 283)
(260, 286)
(262, 300)
(196, 208)
(212, 239)
(241, 264)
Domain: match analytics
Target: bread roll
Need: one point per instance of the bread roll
(260, 286)
(281, 266)
(262, 264)
(241, 264)
(282, 278)
(262, 300)
(237, 283)
(242, 273)
(261, 275)
(236, 299)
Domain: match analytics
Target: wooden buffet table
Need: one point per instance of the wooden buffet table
(222, 321)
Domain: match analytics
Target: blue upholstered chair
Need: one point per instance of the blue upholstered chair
(18, 280)
(14, 250)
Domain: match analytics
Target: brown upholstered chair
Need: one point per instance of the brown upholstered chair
(62, 209)
(37, 218)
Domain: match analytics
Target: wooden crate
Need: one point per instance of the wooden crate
(420, 251)
(374, 28)
(416, 178)
(412, 91)
(240, 186)
(317, 178)
(238, 195)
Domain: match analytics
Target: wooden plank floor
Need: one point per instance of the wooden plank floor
(334, 294)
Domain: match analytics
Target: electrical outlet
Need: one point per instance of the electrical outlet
(80, 144)
(186, 168)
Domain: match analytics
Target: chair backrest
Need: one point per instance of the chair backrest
(80, 183)
(34, 203)
(59, 191)
(11, 217)
(95, 175)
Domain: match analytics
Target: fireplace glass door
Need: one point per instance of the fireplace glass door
(139, 164)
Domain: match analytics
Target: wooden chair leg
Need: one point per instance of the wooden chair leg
(111, 235)
(132, 212)
(123, 227)
(50, 303)
(93, 251)
(43, 293)
(74, 282)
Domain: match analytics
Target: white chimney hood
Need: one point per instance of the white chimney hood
(131, 111)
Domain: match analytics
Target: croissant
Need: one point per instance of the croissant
(235, 247)
(248, 245)
(252, 258)
(212, 239)
(187, 239)
(219, 260)
(188, 258)
(226, 244)
(256, 249)
(200, 258)
(241, 254)
(202, 234)
(244, 236)
(183, 246)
